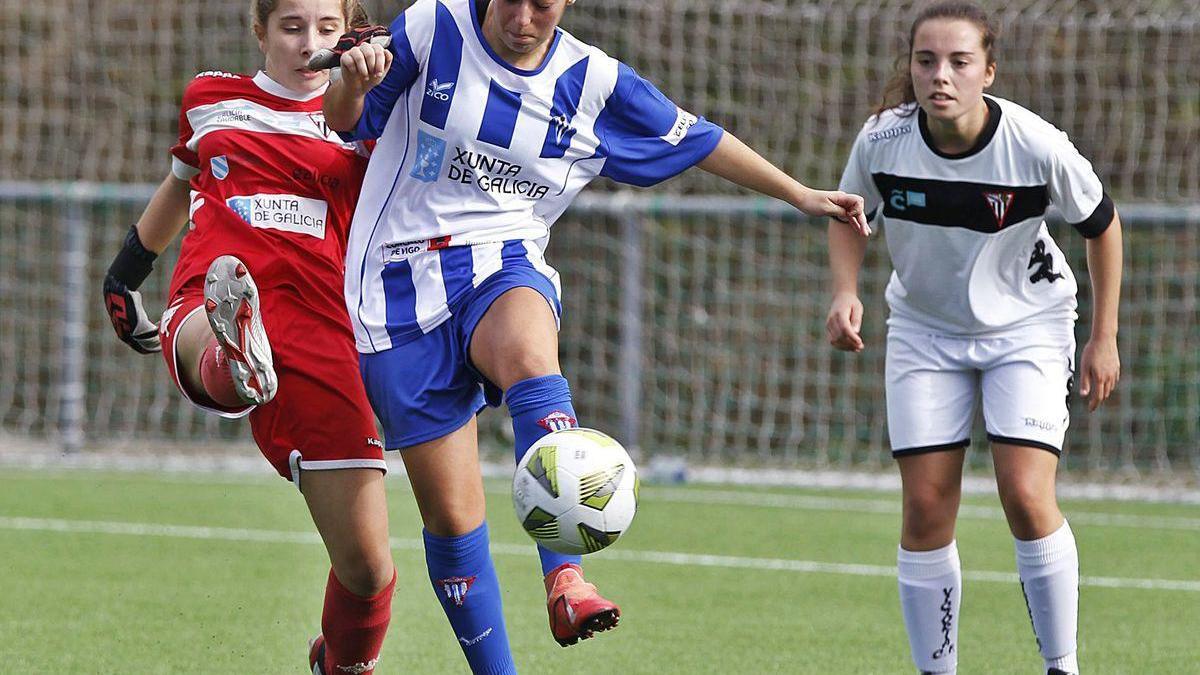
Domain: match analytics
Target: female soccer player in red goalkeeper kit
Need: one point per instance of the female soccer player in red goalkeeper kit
(490, 120)
(255, 322)
(982, 303)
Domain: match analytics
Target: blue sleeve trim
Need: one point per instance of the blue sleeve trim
(378, 105)
(634, 127)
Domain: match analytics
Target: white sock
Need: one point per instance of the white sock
(1049, 571)
(930, 592)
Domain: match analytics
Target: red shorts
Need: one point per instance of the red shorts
(320, 417)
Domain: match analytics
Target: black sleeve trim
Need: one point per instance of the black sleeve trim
(1095, 225)
(1025, 442)
(872, 214)
(922, 449)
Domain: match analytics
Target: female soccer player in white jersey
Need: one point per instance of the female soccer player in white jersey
(490, 120)
(269, 191)
(982, 303)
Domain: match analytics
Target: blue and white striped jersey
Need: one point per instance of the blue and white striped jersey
(472, 150)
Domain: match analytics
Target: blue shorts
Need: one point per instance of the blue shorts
(427, 388)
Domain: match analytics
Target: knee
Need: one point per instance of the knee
(523, 365)
(1029, 506)
(365, 574)
(454, 524)
(929, 514)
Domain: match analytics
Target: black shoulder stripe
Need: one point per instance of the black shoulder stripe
(1095, 225)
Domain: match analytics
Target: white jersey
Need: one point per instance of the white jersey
(473, 151)
(966, 232)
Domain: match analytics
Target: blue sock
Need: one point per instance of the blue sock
(465, 582)
(538, 406)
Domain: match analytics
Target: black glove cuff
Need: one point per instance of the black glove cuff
(134, 262)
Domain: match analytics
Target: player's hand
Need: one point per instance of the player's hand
(846, 207)
(844, 323)
(364, 66)
(129, 318)
(1100, 369)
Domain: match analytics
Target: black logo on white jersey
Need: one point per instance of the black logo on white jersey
(1045, 264)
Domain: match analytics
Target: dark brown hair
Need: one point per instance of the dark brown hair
(260, 10)
(899, 89)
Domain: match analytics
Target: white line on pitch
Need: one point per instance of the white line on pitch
(842, 504)
(662, 557)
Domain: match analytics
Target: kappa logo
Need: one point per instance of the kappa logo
(456, 588)
(557, 421)
(360, 668)
(439, 90)
(220, 167)
(371, 440)
(164, 322)
(1044, 263)
(999, 202)
(894, 132)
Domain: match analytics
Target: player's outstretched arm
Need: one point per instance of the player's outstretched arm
(843, 325)
(734, 161)
(1100, 364)
(363, 67)
(160, 223)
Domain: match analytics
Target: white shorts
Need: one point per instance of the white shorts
(933, 381)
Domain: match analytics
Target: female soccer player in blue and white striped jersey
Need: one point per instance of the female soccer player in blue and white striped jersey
(490, 120)
(982, 302)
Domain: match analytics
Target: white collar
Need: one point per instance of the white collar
(272, 87)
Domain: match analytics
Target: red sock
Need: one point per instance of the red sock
(354, 627)
(217, 378)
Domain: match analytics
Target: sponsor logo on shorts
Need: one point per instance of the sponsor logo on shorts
(164, 322)
(557, 421)
(220, 167)
(1040, 424)
(456, 588)
(684, 120)
(289, 213)
(431, 151)
(371, 440)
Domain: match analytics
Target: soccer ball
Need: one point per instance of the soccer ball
(575, 491)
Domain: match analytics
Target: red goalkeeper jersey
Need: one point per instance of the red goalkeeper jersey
(271, 184)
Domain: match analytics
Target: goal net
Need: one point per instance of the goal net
(712, 347)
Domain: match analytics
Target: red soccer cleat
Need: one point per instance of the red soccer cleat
(576, 609)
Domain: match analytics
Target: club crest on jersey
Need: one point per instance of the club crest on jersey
(439, 90)
(431, 150)
(561, 126)
(999, 202)
(220, 167)
(318, 119)
(456, 588)
(557, 421)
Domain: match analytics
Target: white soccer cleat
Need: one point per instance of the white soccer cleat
(231, 302)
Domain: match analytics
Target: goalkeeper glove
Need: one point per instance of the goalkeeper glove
(122, 299)
(328, 58)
